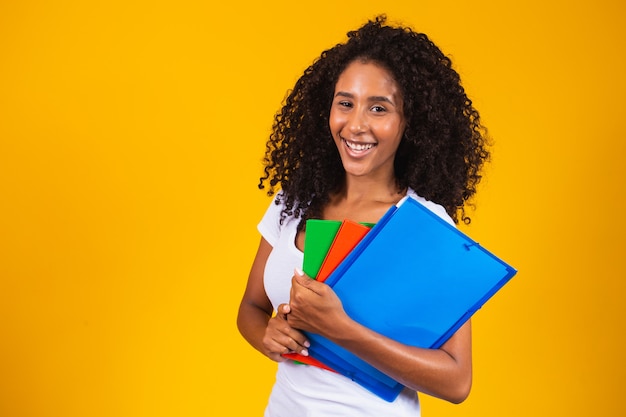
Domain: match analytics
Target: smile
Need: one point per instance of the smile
(358, 147)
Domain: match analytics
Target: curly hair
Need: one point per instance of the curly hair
(441, 153)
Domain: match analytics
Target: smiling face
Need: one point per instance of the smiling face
(366, 120)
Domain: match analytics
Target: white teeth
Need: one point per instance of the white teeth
(359, 146)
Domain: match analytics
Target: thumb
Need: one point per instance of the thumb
(301, 277)
(303, 280)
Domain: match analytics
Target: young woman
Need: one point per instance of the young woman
(370, 121)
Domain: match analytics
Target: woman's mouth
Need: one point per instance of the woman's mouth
(358, 147)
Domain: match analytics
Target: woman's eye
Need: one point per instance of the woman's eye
(345, 104)
(378, 109)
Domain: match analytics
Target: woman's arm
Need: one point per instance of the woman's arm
(445, 373)
(271, 336)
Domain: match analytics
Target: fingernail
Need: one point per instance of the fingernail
(307, 344)
(299, 272)
(304, 352)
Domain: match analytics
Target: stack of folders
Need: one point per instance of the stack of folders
(413, 278)
(328, 243)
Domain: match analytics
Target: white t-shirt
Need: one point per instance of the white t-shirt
(309, 391)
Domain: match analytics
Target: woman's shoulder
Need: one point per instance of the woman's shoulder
(274, 221)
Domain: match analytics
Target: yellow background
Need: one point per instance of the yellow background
(131, 135)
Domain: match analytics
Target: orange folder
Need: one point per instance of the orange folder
(298, 358)
(350, 233)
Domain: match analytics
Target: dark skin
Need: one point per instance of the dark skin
(366, 121)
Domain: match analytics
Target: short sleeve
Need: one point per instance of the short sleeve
(270, 226)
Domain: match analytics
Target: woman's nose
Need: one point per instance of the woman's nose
(357, 122)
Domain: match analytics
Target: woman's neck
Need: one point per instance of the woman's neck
(363, 200)
(357, 189)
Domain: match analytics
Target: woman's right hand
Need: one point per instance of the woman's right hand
(281, 338)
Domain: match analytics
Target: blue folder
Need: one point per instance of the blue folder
(413, 278)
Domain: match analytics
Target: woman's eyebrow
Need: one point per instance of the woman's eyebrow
(381, 98)
(344, 94)
(372, 98)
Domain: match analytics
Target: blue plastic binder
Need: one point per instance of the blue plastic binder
(413, 278)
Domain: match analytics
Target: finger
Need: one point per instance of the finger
(284, 309)
(298, 344)
(293, 340)
(281, 337)
(300, 341)
(278, 344)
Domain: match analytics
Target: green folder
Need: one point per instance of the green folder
(318, 239)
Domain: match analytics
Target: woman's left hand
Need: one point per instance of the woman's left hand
(314, 306)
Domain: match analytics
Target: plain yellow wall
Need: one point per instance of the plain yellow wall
(131, 134)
